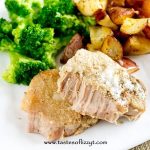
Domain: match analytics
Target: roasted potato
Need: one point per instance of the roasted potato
(103, 4)
(146, 8)
(130, 65)
(89, 7)
(133, 26)
(119, 14)
(112, 48)
(98, 35)
(90, 47)
(137, 45)
(116, 2)
(106, 22)
(119, 21)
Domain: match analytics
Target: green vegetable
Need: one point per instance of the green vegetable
(6, 38)
(61, 6)
(62, 16)
(37, 33)
(86, 22)
(89, 21)
(62, 23)
(58, 45)
(22, 69)
(39, 43)
(6, 44)
(23, 10)
(35, 41)
(17, 7)
(5, 26)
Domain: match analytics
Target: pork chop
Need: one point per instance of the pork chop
(48, 114)
(98, 87)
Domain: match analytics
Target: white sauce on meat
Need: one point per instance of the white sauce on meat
(99, 69)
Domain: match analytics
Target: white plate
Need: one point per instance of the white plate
(14, 121)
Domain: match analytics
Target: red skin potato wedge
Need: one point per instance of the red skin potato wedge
(130, 65)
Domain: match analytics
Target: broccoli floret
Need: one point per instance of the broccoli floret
(22, 69)
(17, 32)
(64, 23)
(85, 23)
(34, 41)
(45, 16)
(5, 26)
(49, 60)
(6, 44)
(17, 7)
(6, 38)
(20, 22)
(53, 10)
(30, 37)
(89, 21)
(61, 6)
(36, 8)
(49, 57)
(39, 43)
(23, 10)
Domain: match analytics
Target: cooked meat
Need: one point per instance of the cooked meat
(48, 114)
(97, 86)
(70, 50)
